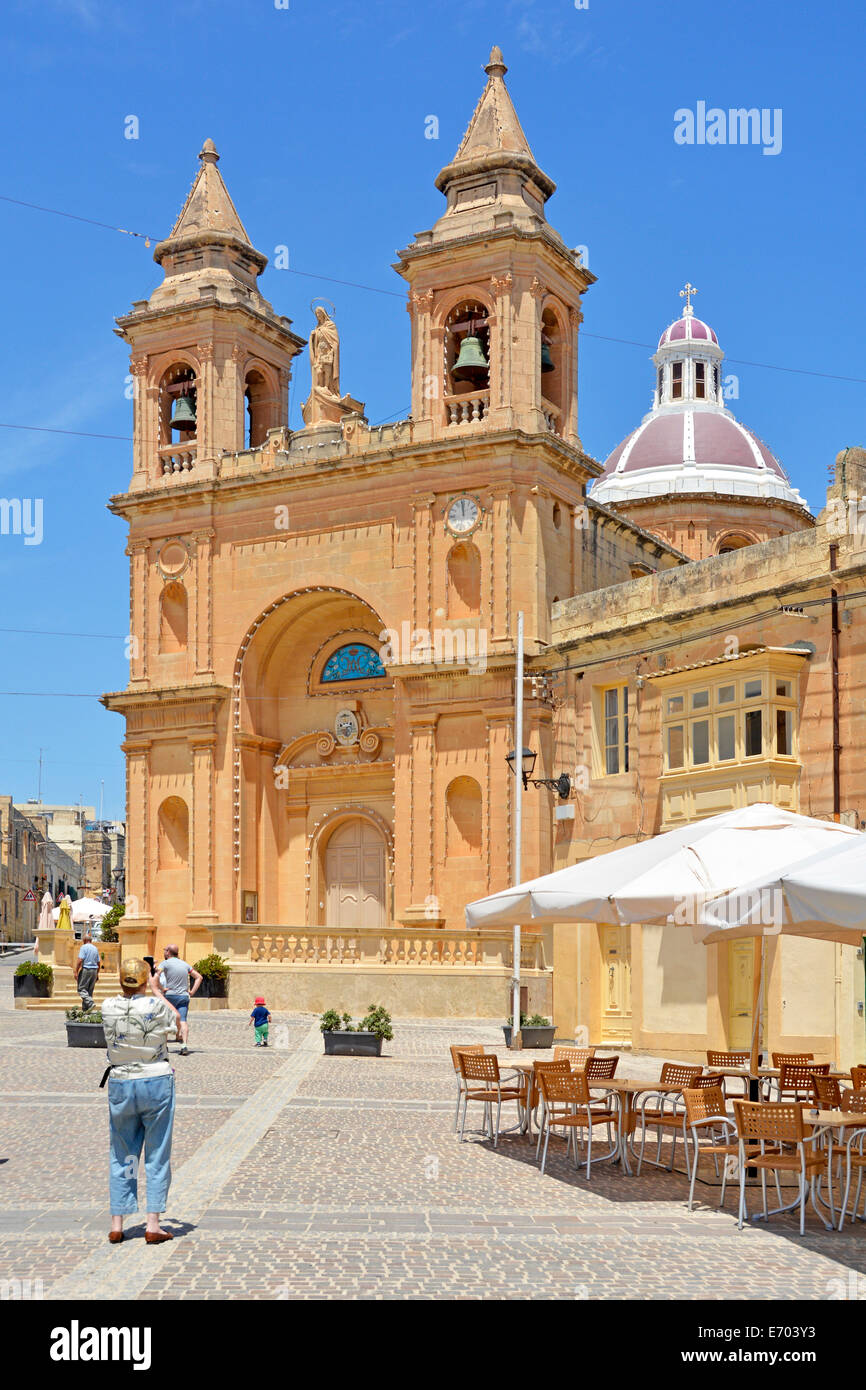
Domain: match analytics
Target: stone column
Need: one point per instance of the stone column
(500, 563)
(144, 417)
(422, 812)
(569, 424)
(203, 621)
(138, 610)
(139, 850)
(422, 568)
(205, 447)
(498, 837)
(427, 372)
(501, 351)
(202, 827)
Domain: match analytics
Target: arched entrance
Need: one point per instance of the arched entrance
(355, 878)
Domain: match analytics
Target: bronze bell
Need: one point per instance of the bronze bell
(547, 362)
(471, 364)
(183, 417)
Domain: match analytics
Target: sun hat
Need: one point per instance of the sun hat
(134, 973)
(260, 1000)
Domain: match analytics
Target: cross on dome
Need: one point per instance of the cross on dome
(686, 294)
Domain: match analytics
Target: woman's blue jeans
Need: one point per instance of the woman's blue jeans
(140, 1115)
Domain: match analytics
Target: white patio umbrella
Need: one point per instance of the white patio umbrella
(669, 876)
(658, 877)
(85, 908)
(822, 898)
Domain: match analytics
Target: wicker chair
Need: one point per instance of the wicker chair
(601, 1068)
(558, 1067)
(576, 1056)
(457, 1048)
(705, 1110)
(732, 1059)
(858, 1077)
(795, 1079)
(482, 1082)
(781, 1127)
(653, 1111)
(826, 1092)
(568, 1104)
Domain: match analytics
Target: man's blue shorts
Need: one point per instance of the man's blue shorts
(180, 1002)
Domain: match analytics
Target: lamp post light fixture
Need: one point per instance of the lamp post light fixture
(561, 784)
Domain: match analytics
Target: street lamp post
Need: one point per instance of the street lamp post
(516, 1039)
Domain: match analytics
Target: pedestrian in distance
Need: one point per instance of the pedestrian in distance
(140, 1099)
(260, 1018)
(87, 971)
(172, 981)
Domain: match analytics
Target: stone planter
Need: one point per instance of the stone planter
(29, 987)
(532, 1037)
(85, 1035)
(211, 988)
(340, 1044)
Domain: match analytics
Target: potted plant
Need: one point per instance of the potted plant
(535, 1030)
(108, 925)
(343, 1039)
(32, 980)
(84, 1028)
(214, 973)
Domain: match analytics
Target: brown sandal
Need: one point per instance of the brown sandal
(115, 1237)
(157, 1237)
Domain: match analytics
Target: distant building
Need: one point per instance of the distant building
(29, 863)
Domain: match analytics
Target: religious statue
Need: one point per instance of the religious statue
(325, 407)
(325, 353)
(64, 921)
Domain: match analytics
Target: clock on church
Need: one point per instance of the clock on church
(463, 516)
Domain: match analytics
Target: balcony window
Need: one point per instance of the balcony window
(753, 743)
(615, 706)
(752, 717)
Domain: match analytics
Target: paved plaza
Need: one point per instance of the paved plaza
(303, 1176)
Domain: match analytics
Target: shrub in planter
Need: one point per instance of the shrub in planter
(342, 1038)
(84, 1028)
(32, 980)
(108, 925)
(535, 1030)
(214, 973)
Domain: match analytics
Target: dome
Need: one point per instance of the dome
(689, 441)
(688, 328)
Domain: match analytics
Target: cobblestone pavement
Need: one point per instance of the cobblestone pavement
(303, 1176)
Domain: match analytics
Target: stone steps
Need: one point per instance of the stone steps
(66, 996)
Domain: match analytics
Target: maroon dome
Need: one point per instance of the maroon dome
(688, 329)
(695, 437)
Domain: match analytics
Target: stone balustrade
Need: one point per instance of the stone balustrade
(400, 947)
(176, 458)
(467, 409)
(59, 949)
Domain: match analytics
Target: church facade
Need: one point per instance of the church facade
(323, 621)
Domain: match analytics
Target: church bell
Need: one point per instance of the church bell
(183, 417)
(471, 364)
(547, 362)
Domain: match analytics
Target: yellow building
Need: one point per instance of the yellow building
(323, 621)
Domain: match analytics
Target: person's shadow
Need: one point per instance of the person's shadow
(178, 1228)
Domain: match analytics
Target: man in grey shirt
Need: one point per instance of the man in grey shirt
(87, 971)
(173, 979)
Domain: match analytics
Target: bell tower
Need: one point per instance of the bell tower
(494, 292)
(210, 357)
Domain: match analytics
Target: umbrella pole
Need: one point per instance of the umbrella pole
(516, 1039)
(757, 1000)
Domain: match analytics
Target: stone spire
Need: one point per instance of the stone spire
(209, 234)
(494, 141)
(208, 206)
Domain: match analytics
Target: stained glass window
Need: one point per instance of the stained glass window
(354, 662)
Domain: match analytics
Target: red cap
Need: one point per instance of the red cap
(260, 1000)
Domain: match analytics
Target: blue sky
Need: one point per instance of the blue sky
(319, 113)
